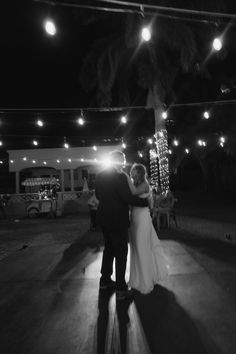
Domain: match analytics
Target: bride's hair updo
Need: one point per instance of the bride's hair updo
(141, 172)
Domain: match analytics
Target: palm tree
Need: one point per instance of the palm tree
(119, 62)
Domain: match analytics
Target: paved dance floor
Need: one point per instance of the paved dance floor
(50, 301)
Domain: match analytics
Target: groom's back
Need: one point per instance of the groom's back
(113, 210)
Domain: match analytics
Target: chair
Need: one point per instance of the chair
(164, 209)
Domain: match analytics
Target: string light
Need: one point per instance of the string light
(206, 115)
(175, 142)
(222, 139)
(146, 34)
(1, 143)
(1, 162)
(50, 27)
(24, 159)
(11, 161)
(66, 145)
(81, 120)
(164, 115)
(95, 148)
(58, 161)
(170, 151)
(34, 161)
(140, 154)
(40, 123)
(69, 160)
(123, 145)
(44, 162)
(217, 44)
(123, 119)
(35, 143)
(201, 142)
(186, 151)
(150, 141)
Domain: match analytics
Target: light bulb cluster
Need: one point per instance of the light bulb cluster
(154, 171)
(162, 153)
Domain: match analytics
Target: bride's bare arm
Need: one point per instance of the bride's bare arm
(142, 188)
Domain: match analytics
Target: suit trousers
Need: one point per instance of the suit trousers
(116, 247)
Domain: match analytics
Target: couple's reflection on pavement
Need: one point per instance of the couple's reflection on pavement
(113, 322)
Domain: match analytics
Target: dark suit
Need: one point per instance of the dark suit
(114, 195)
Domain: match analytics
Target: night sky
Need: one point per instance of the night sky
(38, 71)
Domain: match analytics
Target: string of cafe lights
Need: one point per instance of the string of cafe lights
(147, 9)
(81, 121)
(162, 153)
(143, 9)
(35, 139)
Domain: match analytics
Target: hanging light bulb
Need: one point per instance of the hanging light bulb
(66, 145)
(140, 154)
(217, 44)
(39, 123)
(199, 142)
(206, 115)
(50, 27)
(146, 34)
(81, 120)
(175, 142)
(222, 139)
(123, 119)
(164, 115)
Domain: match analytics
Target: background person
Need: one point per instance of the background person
(93, 206)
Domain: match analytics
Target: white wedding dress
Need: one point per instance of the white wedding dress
(147, 261)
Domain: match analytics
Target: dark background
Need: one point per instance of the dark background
(41, 72)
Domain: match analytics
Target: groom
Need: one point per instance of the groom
(114, 195)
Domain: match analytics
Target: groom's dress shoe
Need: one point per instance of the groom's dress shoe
(107, 284)
(124, 294)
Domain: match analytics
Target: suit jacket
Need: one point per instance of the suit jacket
(114, 195)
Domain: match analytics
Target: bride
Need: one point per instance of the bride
(147, 263)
